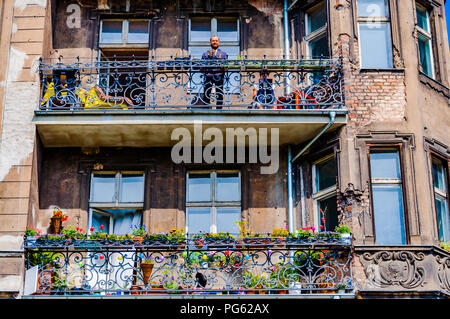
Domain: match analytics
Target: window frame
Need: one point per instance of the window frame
(387, 20)
(438, 192)
(213, 204)
(323, 194)
(116, 204)
(429, 37)
(125, 31)
(317, 34)
(386, 181)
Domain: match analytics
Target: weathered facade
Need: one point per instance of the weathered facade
(359, 105)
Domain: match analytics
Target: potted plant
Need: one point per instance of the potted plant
(344, 232)
(340, 288)
(279, 235)
(138, 234)
(199, 240)
(73, 233)
(56, 220)
(31, 235)
(147, 263)
(176, 236)
(219, 239)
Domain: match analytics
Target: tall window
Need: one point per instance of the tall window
(116, 201)
(324, 193)
(213, 202)
(440, 182)
(424, 38)
(375, 42)
(316, 32)
(387, 197)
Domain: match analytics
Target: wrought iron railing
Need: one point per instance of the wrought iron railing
(193, 84)
(279, 265)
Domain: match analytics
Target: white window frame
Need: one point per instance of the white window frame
(322, 194)
(429, 37)
(213, 204)
(125, 29)
(438, 192)
(317, 34)
(375, 20)
(116, 204)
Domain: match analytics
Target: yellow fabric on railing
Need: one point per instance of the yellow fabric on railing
(89, 98)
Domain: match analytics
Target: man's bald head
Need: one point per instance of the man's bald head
(214, 41)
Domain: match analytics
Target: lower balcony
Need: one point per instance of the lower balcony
(142, 268)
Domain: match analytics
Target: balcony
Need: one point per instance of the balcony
(278, 267)
(140, 102)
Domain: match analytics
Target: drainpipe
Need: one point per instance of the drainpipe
(291, 160)
(286, 30)
(332, 119)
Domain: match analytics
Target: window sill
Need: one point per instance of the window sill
(392, 70)
(434, 84)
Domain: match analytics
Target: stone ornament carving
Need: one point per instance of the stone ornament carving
(444, 272)
(394, 268)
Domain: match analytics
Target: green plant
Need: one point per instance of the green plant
(31, 231)
(72, 232)
(342, 229)
(256, 281)
(446, 245)
(58, 213)
(340, 286)
(279, 232)
(139, 231)
(218, 236)
(176, 235)
(327, 234)
(156, 236)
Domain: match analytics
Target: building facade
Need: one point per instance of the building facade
(329, 113)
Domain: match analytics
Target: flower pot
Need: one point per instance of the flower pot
(157, 291)
(146, 271)
(135, 290)
(347, 238)
(56, 225)
(138, 240)
(199, 242)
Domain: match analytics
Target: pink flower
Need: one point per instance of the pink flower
(313, 228)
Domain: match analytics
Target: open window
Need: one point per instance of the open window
(116, 201)
(213, 202)
(325, 193)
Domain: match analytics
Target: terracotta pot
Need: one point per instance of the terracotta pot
(146, 271)
(56, 223)
(135, 290)
(199, 242)
(138, 240)
(157, 291)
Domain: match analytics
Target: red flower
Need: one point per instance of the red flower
(101, 257)
(321, 226)
(323, 220)
(226, 252)
(101, 227)
(91, 229)
(65, 218)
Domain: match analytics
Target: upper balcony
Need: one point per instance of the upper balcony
(86, 103)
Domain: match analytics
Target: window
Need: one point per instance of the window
(116, 201)
(324, 193)
(424, 38)
(374, 25)
(124, 32)
(440, 182)
(387, 196)
(316, 32)
(213, 202)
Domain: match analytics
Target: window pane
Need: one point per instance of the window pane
(200, 29)
(226, 220)
(132, 188)
(227, 187)
(318, 47)
(103, 188)
(443, 217)
(385, 164)
(316, 19)
(100, 219)
(329, 211)
(111, 32)
(199, 220)
(439, 176)
(199, 188)
(425, 54)
(388, 214)
(375, 45)
(325, 174)
(373, 8)
(422, 18)
(227, 29)
(138, 32)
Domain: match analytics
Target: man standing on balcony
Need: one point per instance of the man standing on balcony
(214, 76)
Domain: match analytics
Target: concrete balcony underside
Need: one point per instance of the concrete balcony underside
(154, 127)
